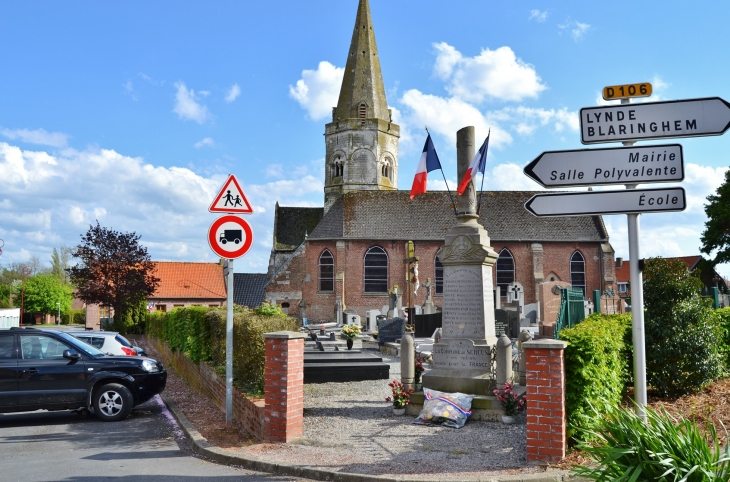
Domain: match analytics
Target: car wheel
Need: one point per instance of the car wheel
(112, 402)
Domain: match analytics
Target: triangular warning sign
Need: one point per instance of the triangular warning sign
(231, 199)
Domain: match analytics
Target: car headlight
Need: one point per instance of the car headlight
(150, 366)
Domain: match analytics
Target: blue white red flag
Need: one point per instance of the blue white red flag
(429, 162)
(477, 165)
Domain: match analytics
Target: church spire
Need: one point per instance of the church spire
(362, 94)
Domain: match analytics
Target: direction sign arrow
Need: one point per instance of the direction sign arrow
(615, 165)
(607, 202)
(654, 120)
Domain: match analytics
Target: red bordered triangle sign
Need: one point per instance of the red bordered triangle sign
(231, 199)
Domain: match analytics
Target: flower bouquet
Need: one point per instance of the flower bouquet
(401, 397)
(419, 370)
(351, 331)
(510, 401)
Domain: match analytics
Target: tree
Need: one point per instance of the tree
(716, 235)
(43, 293)
(60, 262)
(114, 270)
(683, 349)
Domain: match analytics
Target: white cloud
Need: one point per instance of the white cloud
(129, 89)
(525, 120)
(167, 206)
(38, 136)
(317, 91)
(577, 29)
(207, 142)
(493, 74)
(186, 106)
(233, 93)
(538, 15)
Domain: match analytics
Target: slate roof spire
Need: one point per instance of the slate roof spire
(362, 84)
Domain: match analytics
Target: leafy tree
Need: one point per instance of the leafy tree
(114, 270)
(42, 293)
(716, 235)
(683, 349)
(60, 263)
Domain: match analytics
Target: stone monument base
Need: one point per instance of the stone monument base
(464, 381)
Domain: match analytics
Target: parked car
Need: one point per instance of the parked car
(110, 342)
(52, 370)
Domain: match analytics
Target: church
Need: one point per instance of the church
(349, 253)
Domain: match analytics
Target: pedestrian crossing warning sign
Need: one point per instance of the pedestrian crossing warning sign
(231, 199)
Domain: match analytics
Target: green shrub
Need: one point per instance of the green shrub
(683, 348)
(596, 368)
(723, 319)
(661, 449)
(76, 317)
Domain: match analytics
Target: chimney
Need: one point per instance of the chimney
(619, 263)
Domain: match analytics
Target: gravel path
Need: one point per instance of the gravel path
(348, 427)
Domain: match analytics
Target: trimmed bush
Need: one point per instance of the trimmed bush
(661, 449)
(683, 335)
(76, 317)
(596, 369)
(723, 319)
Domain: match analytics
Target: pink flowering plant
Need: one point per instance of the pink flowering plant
(419, 370)
(401, 397)
(511, 402)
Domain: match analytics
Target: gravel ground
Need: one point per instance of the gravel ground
(348, 427)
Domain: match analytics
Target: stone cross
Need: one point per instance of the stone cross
(428, 306)
(515, 292)
(428, 286)
(395, 297)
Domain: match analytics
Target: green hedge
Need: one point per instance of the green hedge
(76, 317)
(200, 333)
(723, 319)
(597, 364)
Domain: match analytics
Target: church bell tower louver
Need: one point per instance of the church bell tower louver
(361, 141)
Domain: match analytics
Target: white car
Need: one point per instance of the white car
(109, 342)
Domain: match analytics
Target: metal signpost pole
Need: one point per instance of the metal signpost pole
(637, 306)
(229, 345)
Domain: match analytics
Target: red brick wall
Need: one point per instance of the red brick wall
(546, 418)
(284, 386)
(248, 413)
(349, 258)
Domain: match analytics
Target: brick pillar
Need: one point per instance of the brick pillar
(545, 367)
(284, 386)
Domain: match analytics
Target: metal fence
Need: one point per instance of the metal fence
(572, 309)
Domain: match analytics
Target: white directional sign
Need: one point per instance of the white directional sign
(607, 202)
(654, 120)
(231, 199)
(616, 165)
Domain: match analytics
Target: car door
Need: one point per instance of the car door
(8, 371)
(45, 377)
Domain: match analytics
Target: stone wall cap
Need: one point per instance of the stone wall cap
(289, 335)
(545, 344)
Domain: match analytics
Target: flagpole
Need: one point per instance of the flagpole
(453, 204)
(481, 188)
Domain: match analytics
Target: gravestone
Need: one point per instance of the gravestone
(395, 302)
(516, 294)
(372, 317)
(428, 307)
(462, 359)
(501, 322)
(338, 312)
(391, 330)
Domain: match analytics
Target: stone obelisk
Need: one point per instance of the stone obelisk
(462, 359)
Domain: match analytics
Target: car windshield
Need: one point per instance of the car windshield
(88, 349)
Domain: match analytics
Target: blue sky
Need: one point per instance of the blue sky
(133, 113)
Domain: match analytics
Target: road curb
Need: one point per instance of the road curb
(202, 447)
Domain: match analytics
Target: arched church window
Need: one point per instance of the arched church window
(376, 270)
(385, 170)
(578, 272)
(326, 271)
(338, 167)
(438, 274)
(505, 270)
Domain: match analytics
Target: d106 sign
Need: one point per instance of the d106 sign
(626, 91)
(608, 202)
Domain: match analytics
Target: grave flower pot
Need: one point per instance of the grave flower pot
(508, 419)
(350, 341)
(399, 411)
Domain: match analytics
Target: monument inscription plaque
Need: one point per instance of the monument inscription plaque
(462, 355)
(467, 293)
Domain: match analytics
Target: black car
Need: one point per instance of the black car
(51, 370)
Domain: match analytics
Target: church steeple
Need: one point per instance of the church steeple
(362, 84)
(362, 142)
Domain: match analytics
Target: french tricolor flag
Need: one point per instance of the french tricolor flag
(477, 165)
(429, 162)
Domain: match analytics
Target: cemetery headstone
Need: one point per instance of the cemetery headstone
(391, 330)
(501, 322)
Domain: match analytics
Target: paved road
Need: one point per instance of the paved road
(146, 447)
